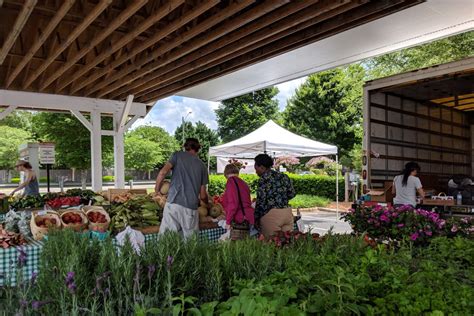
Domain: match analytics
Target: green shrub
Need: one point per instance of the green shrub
(316, 185)
(41, 180)
(112, 178)
(15, 180)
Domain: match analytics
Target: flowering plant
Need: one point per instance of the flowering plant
(237, 163)
(405, 222)
(286, 161)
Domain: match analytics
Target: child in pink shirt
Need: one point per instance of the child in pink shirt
(230, 200)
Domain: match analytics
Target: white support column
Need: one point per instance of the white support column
(337, 186)
(119, 157)
(96, 150)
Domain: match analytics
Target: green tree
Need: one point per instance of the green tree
(241, 115)
(142, 154)
(10, 139)
(72, 139)
(437, 52)
(328, 107)
(206, 136)
(167, 143)
(19, 119)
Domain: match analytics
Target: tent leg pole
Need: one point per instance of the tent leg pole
(337, 186)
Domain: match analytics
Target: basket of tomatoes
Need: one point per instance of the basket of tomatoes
(99, 219)
(74, 219)
(42, 221)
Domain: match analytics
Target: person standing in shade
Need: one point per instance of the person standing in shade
(407, 185)
(275, 190)
(188, 184)
(30, 183)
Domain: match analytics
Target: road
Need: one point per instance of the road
(321, 222)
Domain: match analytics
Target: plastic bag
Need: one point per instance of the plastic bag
(137, 239)
(225, 236)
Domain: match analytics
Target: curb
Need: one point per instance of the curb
(331, 210)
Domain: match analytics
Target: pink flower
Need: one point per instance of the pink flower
(414, 236)
(454, 228)
(428, 233)
(384, 218)
(401, 225)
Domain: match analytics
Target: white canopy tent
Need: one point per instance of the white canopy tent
(276, 141)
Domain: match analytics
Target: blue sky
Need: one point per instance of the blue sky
(167, 113)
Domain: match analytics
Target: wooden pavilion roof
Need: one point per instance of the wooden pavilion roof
(153, 49)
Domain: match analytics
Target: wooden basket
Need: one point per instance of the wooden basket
(148, 229)
(76, 227)
(98, 227)
(39, 232)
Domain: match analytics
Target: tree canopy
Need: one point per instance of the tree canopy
(10, 139)
(328, 108)
(72, 139)
(241, 115)
(148, 147)
(206, 136)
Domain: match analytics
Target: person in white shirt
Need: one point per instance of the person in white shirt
(407, 185)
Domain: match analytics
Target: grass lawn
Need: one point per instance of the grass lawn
(307, 201)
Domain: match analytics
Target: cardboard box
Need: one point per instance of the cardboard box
(382, 195)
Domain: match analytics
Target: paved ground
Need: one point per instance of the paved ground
(322, 222)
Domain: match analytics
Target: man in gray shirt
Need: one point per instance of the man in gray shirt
(188, 184)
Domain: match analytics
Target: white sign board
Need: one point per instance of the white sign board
(47, 154)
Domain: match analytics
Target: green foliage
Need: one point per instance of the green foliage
(307, 201)
(433, 53)
(10, 139)
(142, 154)
(112, 178)
(328, 107)
(241, 115)
(333, 275)
(158, 135)
(206, 136)
(315, 185)
(19, 119)
(72, 139)
(17, 180)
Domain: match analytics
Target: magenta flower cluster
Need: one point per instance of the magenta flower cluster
(405, 222)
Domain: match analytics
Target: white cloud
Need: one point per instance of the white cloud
(287, 89)
(168, 113)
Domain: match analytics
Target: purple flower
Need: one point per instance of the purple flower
(454, 228)
(414, 236)
(465, 220)
(151, 270)
(38, 304)
(384, 218)
(169, 261)
(23, 303)
(21, 258)
(70, 277)
(72, 287)
(34, 275)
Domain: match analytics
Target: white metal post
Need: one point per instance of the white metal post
(337, 186)
(119, 158)
(96, 150)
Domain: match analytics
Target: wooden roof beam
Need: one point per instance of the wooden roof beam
(168, 46)
(98, 9)
(102, 35)
(165, 31)
(339, 23)
(198, 45)
(17, 28)
(45, 33)
(283, 18)
(159, 14)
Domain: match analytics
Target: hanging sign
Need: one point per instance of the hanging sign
(47, 154)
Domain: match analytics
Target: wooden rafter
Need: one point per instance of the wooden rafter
(103, 34)
(165, 31)
(183, 38)
(17, 28)
(339, 23)
(157, 16)
(198, 45)
(98, 9)
(257, 29)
